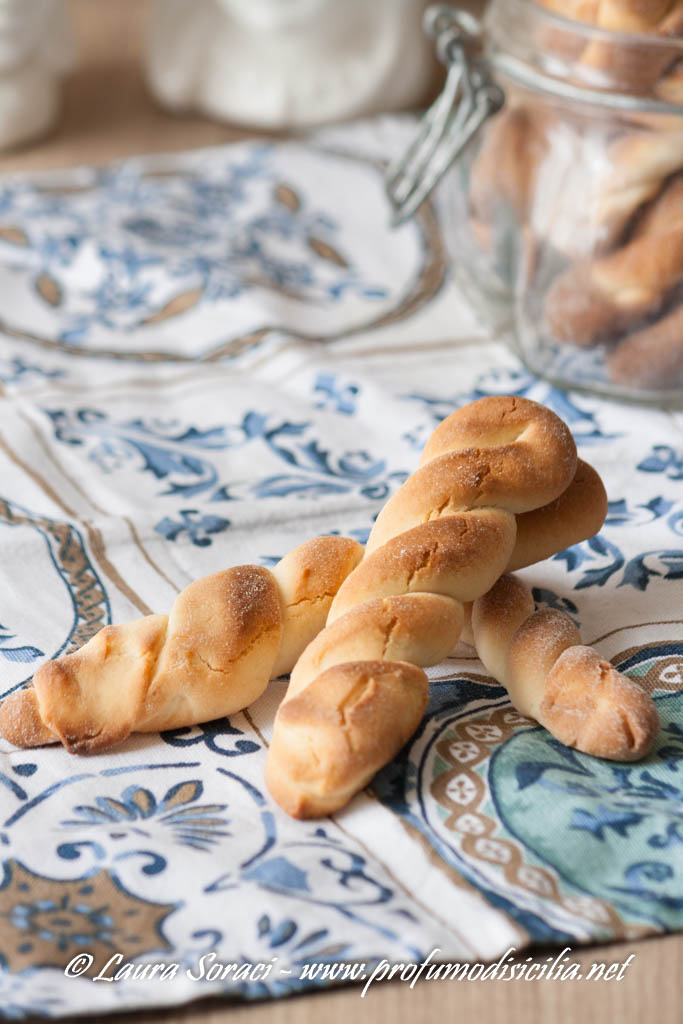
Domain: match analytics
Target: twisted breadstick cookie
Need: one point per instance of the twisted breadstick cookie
(551, 677)
(504, 173)
(659, 16)
(577, 10)
(602, 298)
(651, 358)
(639, 163)
(619, 59)
(605, 297)
(670, 86)
(356, 694)
(227, 635)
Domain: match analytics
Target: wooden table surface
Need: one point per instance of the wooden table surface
(107, 113)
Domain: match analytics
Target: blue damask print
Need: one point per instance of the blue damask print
(181, 457)
(279, 940)
(340, 397)
(68, 562)
(544, 598)
(16, 370)
(134, 826)
(347, 873)
(218, 736)
(135, 830)
(663, 459)
(84, 924)
(302, 946)
(215, 234)
(191, 824)
(620, 513)
(24, 653)
(663, 564)
(600, 558)
(47, 920)
(199, 528)
(168, 451)
(307, 946)
(584, 423)
(596, 549)
(638, 572)
(603, 819)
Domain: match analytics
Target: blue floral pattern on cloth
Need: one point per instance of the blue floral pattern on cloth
(117, 258)
(209, 358)
(182, 459)
(63, 570)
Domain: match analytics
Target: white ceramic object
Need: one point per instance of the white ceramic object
(288, 63)
(36, 49)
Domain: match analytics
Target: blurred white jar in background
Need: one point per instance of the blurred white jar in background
(288, 63)
(36, 49)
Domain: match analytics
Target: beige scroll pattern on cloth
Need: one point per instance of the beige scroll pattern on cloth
(205, 360)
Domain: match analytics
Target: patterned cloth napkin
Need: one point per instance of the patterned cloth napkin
(204, 360)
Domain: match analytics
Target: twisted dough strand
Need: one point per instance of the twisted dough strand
(443, 539)
(226, 636)
(599, 298)
(551, 677)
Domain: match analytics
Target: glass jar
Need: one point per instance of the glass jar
(556, 158)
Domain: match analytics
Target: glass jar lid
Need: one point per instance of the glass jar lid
(527, 45)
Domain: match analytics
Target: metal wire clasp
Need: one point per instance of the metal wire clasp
(468, 98)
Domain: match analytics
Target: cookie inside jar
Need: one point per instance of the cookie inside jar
(565, 209)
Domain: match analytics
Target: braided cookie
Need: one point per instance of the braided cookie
(670, 86)
(621, 59)
(628, 289)
(504, 173)
(662, 17)
(578, 10)
(601, 298)
(615, 54)
(651, 358)
(633, 17)
(356, 693)
(639, 163)
(227, 635)
(538, 656)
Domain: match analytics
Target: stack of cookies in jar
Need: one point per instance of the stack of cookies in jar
(592, 175)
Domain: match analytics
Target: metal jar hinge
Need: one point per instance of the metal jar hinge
(468, 98)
